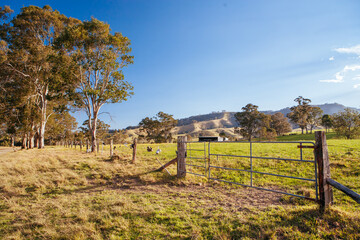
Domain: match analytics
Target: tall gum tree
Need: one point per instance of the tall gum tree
(250, 121)
(31, 55)
(299, 114)
(99, 57)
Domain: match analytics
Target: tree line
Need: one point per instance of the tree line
(253, 123)
(51, 63)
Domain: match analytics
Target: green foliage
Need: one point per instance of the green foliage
(249, 120)
(326, 121)
(314, 117)
(254, 123)
(31, 65)
(280, 124)
(222, 134)
(99, 57)
(62, 193)
(347, 123)
(158, 128)
(61, 126)
(299, 114)
(118, 136)
(102, 129)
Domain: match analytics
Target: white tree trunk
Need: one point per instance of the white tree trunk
(42, 123)
(31, 140)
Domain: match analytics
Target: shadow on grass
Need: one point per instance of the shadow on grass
(296, 224)
(119, 182)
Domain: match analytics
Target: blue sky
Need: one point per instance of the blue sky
(198, 56)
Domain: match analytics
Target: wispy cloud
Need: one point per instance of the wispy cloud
(351, 68)
(357, 77)
(339, 76)
(351, 50)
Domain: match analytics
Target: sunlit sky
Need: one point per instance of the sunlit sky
(198, 56)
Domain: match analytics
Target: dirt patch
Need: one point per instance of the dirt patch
(214, 195)
(208, 195)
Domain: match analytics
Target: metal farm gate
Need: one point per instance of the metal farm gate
(282, 167)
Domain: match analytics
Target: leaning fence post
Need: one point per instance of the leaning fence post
(111, 148)
(322, 160)
(181, 156)
(134, 151)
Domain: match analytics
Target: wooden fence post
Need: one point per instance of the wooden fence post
(322, 160)
(81, 145)
(134, 151)
(181, 156)
(111, 148)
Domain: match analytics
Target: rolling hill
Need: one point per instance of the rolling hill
(216, 122)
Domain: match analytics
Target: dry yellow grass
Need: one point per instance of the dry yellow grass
(59, 193)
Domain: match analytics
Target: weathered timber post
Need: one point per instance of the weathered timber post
(181, 156)
(81, 145)
(111, 148)
(322, 160)
(134, 150)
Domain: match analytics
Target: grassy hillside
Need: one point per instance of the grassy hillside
(60, 193)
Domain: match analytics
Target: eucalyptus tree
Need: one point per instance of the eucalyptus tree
(326, 122)
(159, 127)
(99, 57)
(250, 120)
(314, 117)
(347, 123)
(60, 127)
(299, 114)
(280, 123)
(32, 60)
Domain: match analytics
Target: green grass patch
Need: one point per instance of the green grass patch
(60, 193)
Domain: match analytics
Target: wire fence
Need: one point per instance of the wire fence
(282, 167)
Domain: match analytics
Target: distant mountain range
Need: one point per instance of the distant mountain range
(216, 122)
(328, 108)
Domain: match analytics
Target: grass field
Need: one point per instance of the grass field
(61, 193)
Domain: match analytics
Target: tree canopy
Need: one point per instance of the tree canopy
(250, 121)
(158, 128)
(280, 124)
(347, 123)
(32, 66)
(48, 60)
(99, 57)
